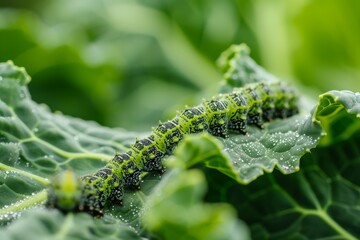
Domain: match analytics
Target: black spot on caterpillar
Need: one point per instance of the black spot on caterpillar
(253, 104)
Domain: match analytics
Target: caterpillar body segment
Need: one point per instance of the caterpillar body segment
(293, 104)
(148, 155)
(111, 183)
(268, 103)
(126, 168)
(217, 117)
(193, 120)
(237, 112)
(254, 116)
(168, 135)
(286, 101)
(252, 105)
(92, 200)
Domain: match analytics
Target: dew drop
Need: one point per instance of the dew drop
(22, 96)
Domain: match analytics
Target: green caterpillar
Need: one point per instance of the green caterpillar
(253, 104)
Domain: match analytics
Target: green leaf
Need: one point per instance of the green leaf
(51, 224)
(10, 71)
(240, 69)
(39, 144)
(175, 211)
(36, 144)
(281, 143)
(319, 201)
(245, 157)
(132, 209)
(339, 113)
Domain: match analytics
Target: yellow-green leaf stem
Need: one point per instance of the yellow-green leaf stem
(28, 202)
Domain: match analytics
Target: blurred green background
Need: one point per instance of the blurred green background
(128, 63)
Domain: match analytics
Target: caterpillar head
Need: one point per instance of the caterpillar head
(65, 191)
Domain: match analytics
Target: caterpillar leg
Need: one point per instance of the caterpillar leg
(255, 118)
(218, 126)
(237, 126)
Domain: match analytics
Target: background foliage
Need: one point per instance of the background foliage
(130, 63)
(91, 58)
(35, 144)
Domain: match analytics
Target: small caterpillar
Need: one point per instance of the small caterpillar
(253, 104)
